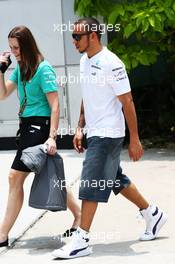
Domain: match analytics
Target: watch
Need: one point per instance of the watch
(53, 137)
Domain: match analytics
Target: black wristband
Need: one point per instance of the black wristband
(4, 66)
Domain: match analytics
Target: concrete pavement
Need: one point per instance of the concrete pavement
(28, 215)
(115, 229)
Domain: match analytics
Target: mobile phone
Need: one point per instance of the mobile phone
(4, 66)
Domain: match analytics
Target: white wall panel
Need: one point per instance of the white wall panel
(44, 18)
(40, 16)
(74, 94)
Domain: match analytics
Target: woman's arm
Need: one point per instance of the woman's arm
(6, 88)
(53, 100)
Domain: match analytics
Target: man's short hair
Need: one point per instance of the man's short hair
(90, 24)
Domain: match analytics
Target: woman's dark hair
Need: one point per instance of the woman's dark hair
(91, 24)
(29, 52)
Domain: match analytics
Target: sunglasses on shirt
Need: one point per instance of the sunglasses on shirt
(78, 37)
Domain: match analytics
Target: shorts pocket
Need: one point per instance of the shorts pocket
(35, 127)
(33, 135)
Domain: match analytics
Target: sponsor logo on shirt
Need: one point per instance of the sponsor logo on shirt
(96, 67)
(116, 69)
(97, 62)
(93, 73)
(120, 74)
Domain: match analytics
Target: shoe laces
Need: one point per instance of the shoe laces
(77, 236)
(147, 232)
(139, 216)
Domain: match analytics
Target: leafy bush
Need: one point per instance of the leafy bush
(147, 34)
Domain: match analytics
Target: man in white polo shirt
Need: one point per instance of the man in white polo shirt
(105, 91)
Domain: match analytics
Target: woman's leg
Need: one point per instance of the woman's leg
(15, 201)
(74, 208)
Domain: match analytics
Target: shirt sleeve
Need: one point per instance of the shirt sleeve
(48, 79)
(118, 78)
(14, 75)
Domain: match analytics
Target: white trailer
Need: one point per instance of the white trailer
(46, 19)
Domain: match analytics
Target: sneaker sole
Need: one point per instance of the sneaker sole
(161, 221)
(82, 253)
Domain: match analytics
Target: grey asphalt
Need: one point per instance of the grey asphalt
(115, 230)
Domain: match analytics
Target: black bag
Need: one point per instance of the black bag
(48, 189)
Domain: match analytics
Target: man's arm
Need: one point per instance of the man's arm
(78, 138)
(81, 122)
(135, 147)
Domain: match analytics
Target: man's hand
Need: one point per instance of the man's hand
(135, 150)
(135, 147)
(77, 140)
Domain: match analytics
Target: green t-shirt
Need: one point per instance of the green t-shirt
(43, 81)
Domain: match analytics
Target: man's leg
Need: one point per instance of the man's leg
(153, 216)
(133, 195)
(88, 211)
(79, 245)
(101, 163)
(83, 220)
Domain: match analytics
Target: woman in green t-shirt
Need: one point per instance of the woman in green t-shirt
(35, 81)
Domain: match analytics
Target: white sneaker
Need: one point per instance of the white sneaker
(155, 219)
(78, 247)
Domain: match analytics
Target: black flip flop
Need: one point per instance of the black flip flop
(68, 232)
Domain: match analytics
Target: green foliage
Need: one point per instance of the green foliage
(147, 30)
(146, 27)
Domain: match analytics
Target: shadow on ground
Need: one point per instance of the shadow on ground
(42, 245)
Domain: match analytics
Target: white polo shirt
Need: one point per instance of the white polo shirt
(103, 77)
